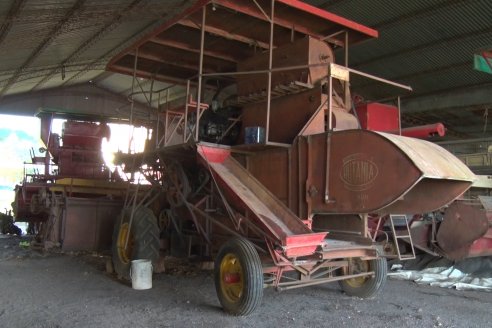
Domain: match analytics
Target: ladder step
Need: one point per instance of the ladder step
(402, 234)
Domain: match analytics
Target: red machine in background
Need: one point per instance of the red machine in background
(386, 118)
(69, 196)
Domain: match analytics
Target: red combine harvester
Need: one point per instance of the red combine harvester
(69, 197)
(266, 168)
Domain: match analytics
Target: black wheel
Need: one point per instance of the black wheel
(238, 277)
(143, 239)
(16, 230)
(366, 286)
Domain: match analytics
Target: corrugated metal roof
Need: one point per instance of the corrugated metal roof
(428, 44)
(44, 38)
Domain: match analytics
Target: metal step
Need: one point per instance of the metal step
(394, 218)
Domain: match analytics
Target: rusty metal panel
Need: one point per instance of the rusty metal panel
(433, 160)
(374, 172)
(88, 223)
(361, 172)
(271, 168)
(288, 114)
(306, 51)
(464, 222)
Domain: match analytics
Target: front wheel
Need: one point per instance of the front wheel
(238, 277)
(365, 286)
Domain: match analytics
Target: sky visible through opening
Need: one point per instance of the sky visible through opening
(18, 134)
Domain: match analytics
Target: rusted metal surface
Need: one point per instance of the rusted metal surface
(376, 172)
(425, 131)
(88, 223)
(464, 222)
(315, 54)
(247, 193)
(24, 207)
(235, 29)
(287, 120)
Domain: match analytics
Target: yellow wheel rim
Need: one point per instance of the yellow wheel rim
(125, 253)
(357, 266)
(231, 278)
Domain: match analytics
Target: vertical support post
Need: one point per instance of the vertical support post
(200, 71)
(132, 103)
(158, 121)
(187, 101)
(399, 115)
(270, 65)
(328, 139)
(330, 101)
(346, 84)
(166, 118)
(150, 105)
(289, 177)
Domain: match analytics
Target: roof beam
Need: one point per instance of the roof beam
(464, 97)
(111, 25)
(7, 23)
(420, 74)
(147, 75)
(188, 47)
(434, 43)
(162, 60)
(223, 33)
(54, 33)
(285, 23)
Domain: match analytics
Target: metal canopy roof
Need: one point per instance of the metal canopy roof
(429, 44)
(235, 30)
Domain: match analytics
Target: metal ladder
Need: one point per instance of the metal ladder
(402, 234)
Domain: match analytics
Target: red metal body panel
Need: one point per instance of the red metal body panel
(86, 135)
(378, 117)
(425, 131)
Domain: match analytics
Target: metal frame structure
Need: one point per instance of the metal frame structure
(231, 201)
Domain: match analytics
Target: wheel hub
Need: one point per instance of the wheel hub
(357, 266)
(231, 278)
(125, 249)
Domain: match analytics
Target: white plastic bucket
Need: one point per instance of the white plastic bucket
(141, 274)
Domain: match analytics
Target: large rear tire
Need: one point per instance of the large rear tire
(368, 286)
(143, 240)
(238, 277)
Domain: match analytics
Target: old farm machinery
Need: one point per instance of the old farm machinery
(68, 196)
(464, 228)
(263, 165)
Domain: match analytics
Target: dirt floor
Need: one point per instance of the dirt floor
(73, 290)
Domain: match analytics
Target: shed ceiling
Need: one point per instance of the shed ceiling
(428, 44)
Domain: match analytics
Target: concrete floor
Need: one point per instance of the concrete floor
(57, 290)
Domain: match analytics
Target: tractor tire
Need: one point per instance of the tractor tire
(238, 277)
(15, 230)
(366, 287)
(143, 240)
